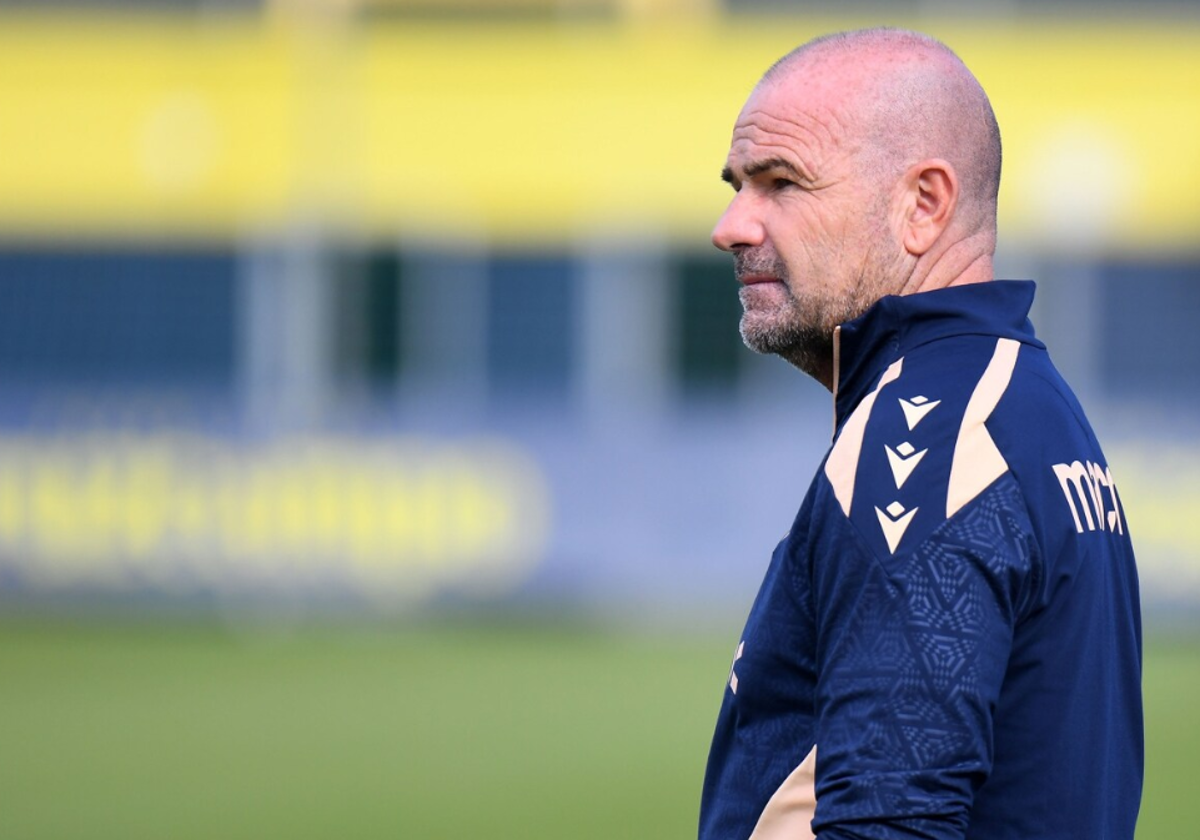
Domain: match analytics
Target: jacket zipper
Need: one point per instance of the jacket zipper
(837, 362)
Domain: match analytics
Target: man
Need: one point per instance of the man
(948, 641)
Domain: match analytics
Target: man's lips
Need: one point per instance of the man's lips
(754, 279)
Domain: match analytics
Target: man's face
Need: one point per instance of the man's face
(808, 226)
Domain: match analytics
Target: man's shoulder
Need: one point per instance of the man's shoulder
(920, 448)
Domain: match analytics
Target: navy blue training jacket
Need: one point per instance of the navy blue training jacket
(947, 643)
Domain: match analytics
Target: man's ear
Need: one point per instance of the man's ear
(931, 196)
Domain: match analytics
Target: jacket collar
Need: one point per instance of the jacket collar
(894, 325)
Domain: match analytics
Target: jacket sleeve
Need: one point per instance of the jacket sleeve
(912, 652)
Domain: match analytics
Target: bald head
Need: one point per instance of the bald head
(864, 164)
(907, 97)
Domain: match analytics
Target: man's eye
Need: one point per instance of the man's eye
(782, 183)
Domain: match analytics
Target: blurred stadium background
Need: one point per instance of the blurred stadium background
(378, 455)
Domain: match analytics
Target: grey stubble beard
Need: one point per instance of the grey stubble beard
(791, 331)
(798, 329)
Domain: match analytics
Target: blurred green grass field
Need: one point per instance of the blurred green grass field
(191, 730)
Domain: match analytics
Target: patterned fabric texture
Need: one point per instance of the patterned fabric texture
(963, 653)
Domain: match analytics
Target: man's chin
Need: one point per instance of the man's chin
(811, 350)
(763, 335)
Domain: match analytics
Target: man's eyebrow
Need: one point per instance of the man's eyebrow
(761, 166)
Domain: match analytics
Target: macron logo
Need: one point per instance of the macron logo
(903, 460)
(916, 409)
(894, 523)
(1086, 484)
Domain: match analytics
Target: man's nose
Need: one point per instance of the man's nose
(738, 227)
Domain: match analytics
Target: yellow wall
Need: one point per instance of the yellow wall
(538, 131)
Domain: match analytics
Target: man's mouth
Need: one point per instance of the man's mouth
(754, 279)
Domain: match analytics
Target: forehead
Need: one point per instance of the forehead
(802, 118)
